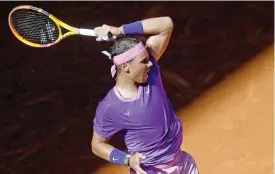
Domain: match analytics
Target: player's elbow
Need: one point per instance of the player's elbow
(94, 147)
(168, 22)
(94, 151)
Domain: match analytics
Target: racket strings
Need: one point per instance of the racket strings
(34, 26)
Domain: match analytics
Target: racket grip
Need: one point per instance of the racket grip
(86, 32)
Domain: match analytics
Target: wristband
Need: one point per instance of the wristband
(119, 157)
(134, 28)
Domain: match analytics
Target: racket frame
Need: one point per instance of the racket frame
(59, 23)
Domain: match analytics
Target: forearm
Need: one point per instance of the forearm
(160, 29)
(155, 25)
(110, 153)
(102, 150)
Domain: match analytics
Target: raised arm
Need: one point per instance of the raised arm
(160, 29)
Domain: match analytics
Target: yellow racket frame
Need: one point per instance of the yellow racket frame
(71, 30)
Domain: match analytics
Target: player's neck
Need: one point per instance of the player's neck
(126, 87)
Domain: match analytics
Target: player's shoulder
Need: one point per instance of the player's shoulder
(152, 58)
(107, 101)
(155, 69)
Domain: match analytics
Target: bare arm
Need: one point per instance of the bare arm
(100, 147)
(161, 29)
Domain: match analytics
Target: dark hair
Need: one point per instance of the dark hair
(122, 45)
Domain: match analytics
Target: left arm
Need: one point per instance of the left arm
(160, 28)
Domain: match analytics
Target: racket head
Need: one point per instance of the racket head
(34, 26)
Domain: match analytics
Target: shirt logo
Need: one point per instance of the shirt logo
(127, 113)
(115, 159)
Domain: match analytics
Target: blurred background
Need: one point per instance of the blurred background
(48, 96)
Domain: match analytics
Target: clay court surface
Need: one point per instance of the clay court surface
(217, 71)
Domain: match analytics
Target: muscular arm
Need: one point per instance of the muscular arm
(161, 29)
(100, 147)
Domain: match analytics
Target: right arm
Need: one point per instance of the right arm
(100, 147)
(105, 126)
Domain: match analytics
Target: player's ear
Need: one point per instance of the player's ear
(125, 67)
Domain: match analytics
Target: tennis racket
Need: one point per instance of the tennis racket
(37, 28)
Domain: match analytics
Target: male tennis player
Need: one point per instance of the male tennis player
(137, 106)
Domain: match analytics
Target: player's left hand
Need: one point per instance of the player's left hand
(134, 163)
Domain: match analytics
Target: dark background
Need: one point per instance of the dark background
(48, 96)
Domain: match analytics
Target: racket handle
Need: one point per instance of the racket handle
(86, 32)
(90, 32)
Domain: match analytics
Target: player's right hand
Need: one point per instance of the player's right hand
(101, 32)
(134, 163)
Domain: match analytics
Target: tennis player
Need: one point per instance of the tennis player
(137, 107)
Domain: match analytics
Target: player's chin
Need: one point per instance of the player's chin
(144, 79)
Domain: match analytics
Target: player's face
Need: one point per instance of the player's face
(139, 67)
